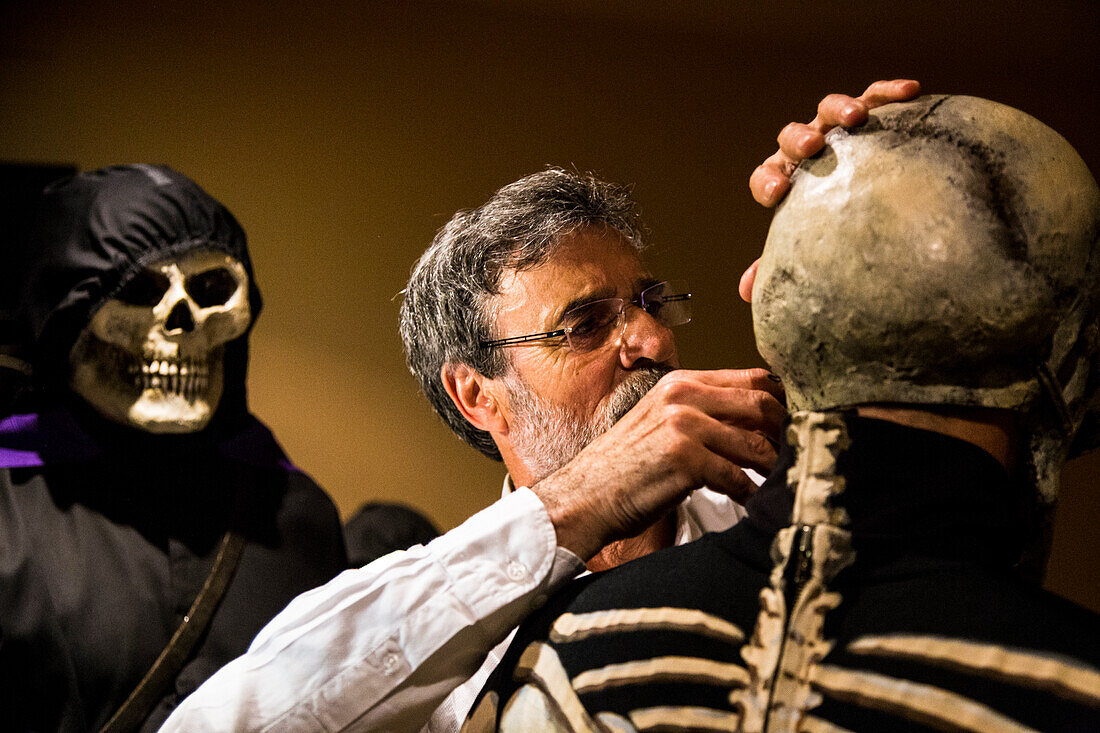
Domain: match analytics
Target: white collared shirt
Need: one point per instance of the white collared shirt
(382, 646)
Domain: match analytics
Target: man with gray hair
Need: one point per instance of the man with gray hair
(540, 337)
(449, 313)
(554, 335)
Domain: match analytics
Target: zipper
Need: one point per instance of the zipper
(804, 560)
(799, 570)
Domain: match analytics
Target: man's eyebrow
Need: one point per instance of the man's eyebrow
(599, 294)
(606, 292)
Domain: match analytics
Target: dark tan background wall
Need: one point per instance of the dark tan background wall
(344, 135)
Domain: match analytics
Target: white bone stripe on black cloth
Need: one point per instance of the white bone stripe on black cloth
(575, 627)
(660, 670)
(931, 705)
(813, 724)
(1065, 678)
(684, 718)
(540, 663)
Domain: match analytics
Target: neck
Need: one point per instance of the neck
(517, 469)
(657, 537)
(994, 431)
(910, 489)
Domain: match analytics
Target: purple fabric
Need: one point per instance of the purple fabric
(256, 446)
(25, 439)
(14, 458)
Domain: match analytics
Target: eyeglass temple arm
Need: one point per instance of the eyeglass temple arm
(525, 339)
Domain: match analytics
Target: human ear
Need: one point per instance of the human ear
(473, 395)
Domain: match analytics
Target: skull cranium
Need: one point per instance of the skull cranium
(944, 254)
(153, 356)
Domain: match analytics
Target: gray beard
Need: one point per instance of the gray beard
(546, 436)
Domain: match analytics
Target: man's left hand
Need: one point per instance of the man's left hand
(797, 141)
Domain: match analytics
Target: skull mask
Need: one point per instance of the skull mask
(153, 356)
(945, 254)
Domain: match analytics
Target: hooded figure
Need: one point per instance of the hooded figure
(140, 464)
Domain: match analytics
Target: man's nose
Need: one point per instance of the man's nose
(644, 337)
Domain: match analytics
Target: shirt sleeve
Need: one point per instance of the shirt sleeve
(379, 647)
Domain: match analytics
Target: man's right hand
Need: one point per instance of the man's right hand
(693, 429)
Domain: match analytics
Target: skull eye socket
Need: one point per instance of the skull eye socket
(213, 287)
(145, 288)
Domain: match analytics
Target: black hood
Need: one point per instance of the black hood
(92, 234)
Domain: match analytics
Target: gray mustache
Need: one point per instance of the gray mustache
(632, 390)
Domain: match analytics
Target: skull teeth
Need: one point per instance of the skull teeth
(187, 378)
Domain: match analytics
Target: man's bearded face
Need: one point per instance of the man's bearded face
(547, 436)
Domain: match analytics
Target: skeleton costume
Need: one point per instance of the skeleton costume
(946, 254)
(142, 459)
(907, 617)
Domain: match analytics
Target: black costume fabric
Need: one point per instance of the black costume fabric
(378, 528)
(925, 627)
(107, 533)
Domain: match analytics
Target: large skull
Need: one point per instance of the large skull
(153, 357)
(946, 253)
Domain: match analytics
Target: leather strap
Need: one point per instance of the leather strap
(139, 704)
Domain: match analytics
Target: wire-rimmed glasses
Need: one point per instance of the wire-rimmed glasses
(588, 327)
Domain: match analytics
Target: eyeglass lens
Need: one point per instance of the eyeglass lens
(589, 326)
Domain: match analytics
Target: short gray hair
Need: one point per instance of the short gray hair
(445, 314)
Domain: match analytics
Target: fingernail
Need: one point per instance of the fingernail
(774, 377)
(769, 189)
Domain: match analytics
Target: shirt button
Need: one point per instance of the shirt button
(390, 663)
(516, 571)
